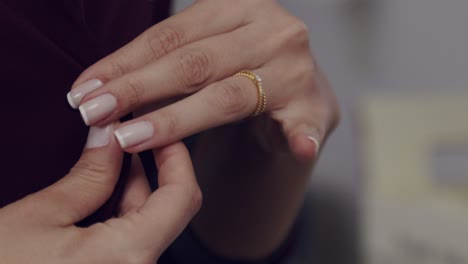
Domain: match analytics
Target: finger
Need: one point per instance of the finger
(224, 102)
(182, 72)
(137, 189)
(305, 140)
(161, 39)
(168, 210)
(306, 126)
(86, 188)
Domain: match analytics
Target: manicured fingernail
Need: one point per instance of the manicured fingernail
(134, 134)
(99, 136)
(98, 108)
(75, 96)
(317, 144)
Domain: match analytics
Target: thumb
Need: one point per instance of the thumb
(88, 185)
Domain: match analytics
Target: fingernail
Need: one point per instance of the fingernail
(75, 96)
(317, 144)
(99, 136)
(134, 134)
(98, 108)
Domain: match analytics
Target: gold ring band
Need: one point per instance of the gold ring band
(262, 100)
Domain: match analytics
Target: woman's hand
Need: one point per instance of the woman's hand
(189, 59)
(40, 228)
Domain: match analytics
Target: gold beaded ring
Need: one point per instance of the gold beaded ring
(262, 100)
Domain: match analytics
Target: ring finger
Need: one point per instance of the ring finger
(220, 103)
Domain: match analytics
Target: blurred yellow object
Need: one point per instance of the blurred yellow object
(409, 216)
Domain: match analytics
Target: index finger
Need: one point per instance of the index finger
(216, 17)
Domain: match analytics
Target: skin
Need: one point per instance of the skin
(40, 227)
(255, 191)
(186, 62)
(190, 65)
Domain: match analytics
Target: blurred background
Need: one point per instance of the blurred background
(397, 66)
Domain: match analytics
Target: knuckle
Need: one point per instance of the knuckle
(193, 67)
(118, 68)
(299, 27)
(163, 40)
(193, 195)
(92, 172)
(170, 122)
(134, 91)
(231, 98)
(305, 74)
(297, 32)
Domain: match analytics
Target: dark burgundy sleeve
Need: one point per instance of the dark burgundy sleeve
(189, 249)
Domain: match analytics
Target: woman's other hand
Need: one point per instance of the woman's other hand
(40, 228)
(185, 66)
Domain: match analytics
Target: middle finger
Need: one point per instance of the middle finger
(183, 72)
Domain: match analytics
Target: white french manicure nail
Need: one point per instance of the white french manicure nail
(75, 96)
(134, 134)
(317, 144)
(99, 136)
(98, 108)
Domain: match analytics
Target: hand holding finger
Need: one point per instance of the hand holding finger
(141, 235)
(42, 224)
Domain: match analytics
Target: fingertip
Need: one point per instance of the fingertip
(71, 102)
(99, 136)
(123, 144)
(84, 116)
(316, 142)
(78, 92)
(305, 148)
(135, 136)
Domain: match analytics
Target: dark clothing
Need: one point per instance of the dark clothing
(45, 45)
